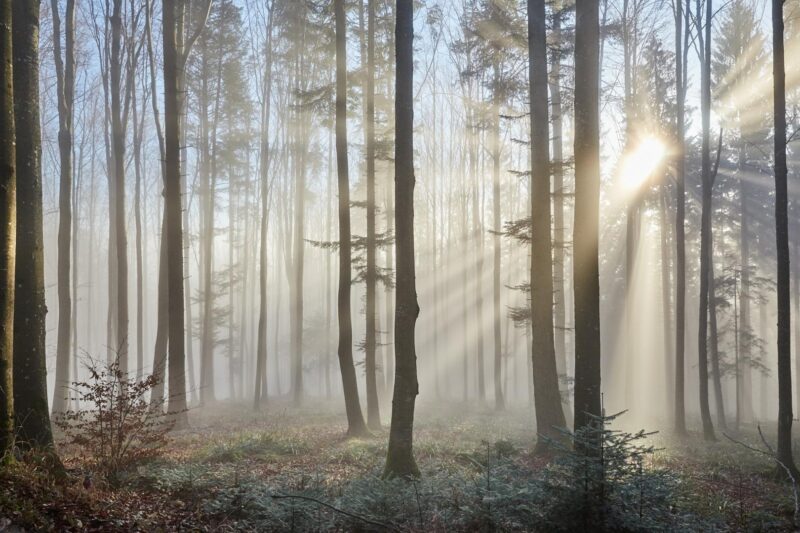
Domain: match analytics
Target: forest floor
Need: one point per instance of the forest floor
(291, 469)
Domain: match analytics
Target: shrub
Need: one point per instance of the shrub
(604, 484)
(119, 429)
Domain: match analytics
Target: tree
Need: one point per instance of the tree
(585, 267)
(705, 223)
(174, 64)
(355, 419)
(30, 364)
(373, 408)
(118, 122)
(65, 87)
(7, 234)
(400, 456)
(260, 390)
(681, 44)
(784, 454)
(547, 397)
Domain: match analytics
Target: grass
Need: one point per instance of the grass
(233, 468)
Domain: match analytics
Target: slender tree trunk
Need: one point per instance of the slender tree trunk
(65, 85)
(29, 364)
(400, 456)
(549, 411)
(705, 229)
(7, 234)
(261, 352)
(714, 345)
(559, 257)
(680, 229)
(373, 408)
(785, 455)
(499, 399)
(585, 264)
(666, 300)
(355, 419)
(745, 329)
(118, 143)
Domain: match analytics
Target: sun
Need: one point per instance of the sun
(640, 164)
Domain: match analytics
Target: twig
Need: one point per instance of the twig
(771, 454)
(332, 508)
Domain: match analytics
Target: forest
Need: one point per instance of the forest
(410, 265)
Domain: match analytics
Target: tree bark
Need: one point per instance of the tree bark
(585, 268)
(785, 455)
(172, 207)
(705, 225)
(680, 229)
(547, 397)
(7, 234)
(373, 408)
(65, 85)
(30, 364)
(355, 419)
(400, 456)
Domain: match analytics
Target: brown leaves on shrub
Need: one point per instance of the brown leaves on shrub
(116, 428)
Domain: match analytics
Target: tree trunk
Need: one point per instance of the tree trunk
(260, 394)
(714, 344)
(785, 455)
(400, 456)
(680, 229)
(499, 399)
(172, 207)
(585, 267)
(30, 365)
(373, 408)
(559, 257)
(705, 228)
(355, 419)
(120, 347)
(7, 235)
(745, 329)
(547, 397)
(65, 82)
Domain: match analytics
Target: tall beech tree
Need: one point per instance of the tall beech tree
(370, 345)
(704, 32)
(784, 453)
(547, 397)
(30, 363)
(65, 88)
(585, 236)
(355, 419)
(7, 233)
(400, 455)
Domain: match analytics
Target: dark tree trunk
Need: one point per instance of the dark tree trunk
(373, 408)
(172, 206)
(120, 347)
(547, 397)
(785, 455)
(7, 235)
(65, 85)
(714, 344)
(260, 394)
(400, 456)
(585, 268)
(680, 229)
(705, 228)
(30, 365)
(559, 257)
(355, 419)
